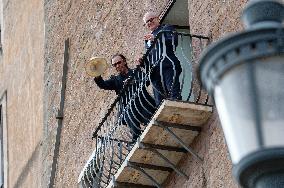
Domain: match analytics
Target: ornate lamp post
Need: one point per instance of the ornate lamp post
(245, 74)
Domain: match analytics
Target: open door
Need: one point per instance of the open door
(176, 13)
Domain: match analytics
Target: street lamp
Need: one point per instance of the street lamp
(245, 74)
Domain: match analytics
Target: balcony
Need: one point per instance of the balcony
(140, 140)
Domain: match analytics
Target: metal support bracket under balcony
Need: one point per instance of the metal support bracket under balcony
(177, 170)
(166, 126)
(138, 168)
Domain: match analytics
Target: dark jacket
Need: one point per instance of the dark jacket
(167, 42)
(142, 99)
(115, 83)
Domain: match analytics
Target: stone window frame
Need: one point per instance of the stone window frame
(3, 141)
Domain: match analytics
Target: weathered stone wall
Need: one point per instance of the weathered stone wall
(102, 28)
(21, 76)
(215, 18)
(95, 28)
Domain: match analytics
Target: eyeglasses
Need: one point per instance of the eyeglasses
(149, 20)
(117, 63)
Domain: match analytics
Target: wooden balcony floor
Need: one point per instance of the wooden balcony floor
(183, 119)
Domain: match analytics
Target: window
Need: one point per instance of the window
(176, 13)
(3, 142)
(1, 149)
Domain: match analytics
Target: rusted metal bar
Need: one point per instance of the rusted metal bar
(60, 114)
(179, 141)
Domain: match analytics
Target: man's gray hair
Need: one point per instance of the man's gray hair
(151, 13)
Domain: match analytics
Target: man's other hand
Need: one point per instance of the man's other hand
(149, 37)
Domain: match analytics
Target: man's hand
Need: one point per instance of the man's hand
(139, 62)
(149, 37)
(127, 81)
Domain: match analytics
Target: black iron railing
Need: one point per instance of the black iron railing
(172, 56)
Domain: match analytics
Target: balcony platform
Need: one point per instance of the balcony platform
(157, 152)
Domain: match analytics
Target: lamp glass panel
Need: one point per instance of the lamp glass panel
(233, 103)
(247, 94)
(270, 86)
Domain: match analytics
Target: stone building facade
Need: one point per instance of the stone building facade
(21, 91)
(34, 35)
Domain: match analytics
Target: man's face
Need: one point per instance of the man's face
(119, 64)
(151, 21)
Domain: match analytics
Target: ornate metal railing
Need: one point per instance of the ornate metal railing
(135, 105)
